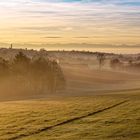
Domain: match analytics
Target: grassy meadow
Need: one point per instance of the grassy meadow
(109, 117)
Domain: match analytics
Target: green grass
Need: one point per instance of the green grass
(28, 120)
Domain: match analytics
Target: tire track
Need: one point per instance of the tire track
(67, 121)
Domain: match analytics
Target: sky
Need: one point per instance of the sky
(70, 21)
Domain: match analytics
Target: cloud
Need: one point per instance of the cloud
(53, 37)
(82, 37)
(46, 28)
(75, 18)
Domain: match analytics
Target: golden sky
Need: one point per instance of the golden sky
(70, 21)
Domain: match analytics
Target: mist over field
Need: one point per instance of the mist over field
(69, 69)
(44, 93)
(32, 73)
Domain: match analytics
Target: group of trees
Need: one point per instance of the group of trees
(31, 76)
(119, 63)
(130, 65)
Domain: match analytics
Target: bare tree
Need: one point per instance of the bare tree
(101, 59)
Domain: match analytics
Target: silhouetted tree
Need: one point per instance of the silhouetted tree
(115, 63)
(20, 58)
(101, 59)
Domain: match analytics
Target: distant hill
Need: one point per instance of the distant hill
(81, 47)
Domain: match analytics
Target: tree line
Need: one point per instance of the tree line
(30, 76)
(128, 64)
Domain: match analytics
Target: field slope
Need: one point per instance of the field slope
(109, 117)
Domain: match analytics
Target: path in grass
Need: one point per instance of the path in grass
(119, 123)
(68, 121)
(23, 118)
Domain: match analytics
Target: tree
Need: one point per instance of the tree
(4, 67)
(41, 74)
(101, 59)
(115, 63)
(28, 76)
(21, 59)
